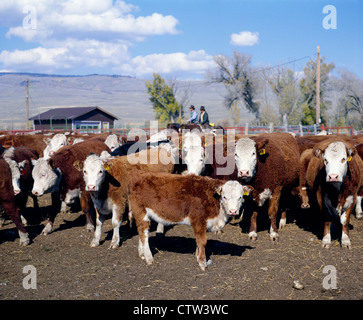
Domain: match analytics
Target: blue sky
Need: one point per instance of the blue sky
(176, 38)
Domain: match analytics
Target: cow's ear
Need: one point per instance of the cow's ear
(247, 190)
(218, 190)
(318, 153)
(51, 163)
(78, 165)
(260, 147)
(350, 153)
(107, 165)
(46, 140)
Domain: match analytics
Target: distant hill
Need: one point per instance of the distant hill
(123, 96)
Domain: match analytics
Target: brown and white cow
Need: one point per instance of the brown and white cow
(59, 177)
(205, 204)
(8, 203)
(22, 157)
(106, 180)
(270, 163)
(334, 176)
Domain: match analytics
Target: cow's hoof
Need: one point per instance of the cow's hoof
(94, 243)
(252, 235)
(90, 227)
(326, 245)
(114, 245)
(47, 229)
(24, 239)
(282, 223)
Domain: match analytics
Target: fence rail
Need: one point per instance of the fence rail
(247, 129)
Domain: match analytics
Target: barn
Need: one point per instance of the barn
(72, 118)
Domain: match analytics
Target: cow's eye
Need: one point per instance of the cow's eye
(100, 172)
(84, 172)
(343, 160)
(326, 161)
(253, 153)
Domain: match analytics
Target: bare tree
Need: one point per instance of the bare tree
(237, 76)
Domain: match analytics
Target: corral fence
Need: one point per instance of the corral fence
(300, 130)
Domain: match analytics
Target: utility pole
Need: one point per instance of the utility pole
(318, 88)
(27, 105)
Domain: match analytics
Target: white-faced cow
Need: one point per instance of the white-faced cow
(54, 144)
(270, 163)
(58, 176)
(334, 176)
(106, 180)
(8, 203)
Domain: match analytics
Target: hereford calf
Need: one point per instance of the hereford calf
(7, 201)
(106, 181)
(205, 204)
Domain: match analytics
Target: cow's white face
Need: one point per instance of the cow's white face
(191, 139)
(246, 158)
(335, 160)
(46, 178)
(112, 142)
(94, 172)
(57, 142)
(231, 196)
(194, 158)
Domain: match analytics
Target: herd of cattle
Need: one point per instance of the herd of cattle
(194, 178)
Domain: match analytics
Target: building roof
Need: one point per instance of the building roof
(69, 113)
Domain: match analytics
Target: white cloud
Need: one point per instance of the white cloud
(66, 55)
(245, 38)
(64, 18)
(91, 35)
(195, 61)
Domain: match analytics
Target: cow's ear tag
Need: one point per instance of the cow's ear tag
(107, 168)
(22, 171)
(349, 158)
(245, 193)
(262, 152)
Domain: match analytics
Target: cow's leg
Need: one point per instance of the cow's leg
(100, 218)
(326, 241)
(358, 208)
(116, 222)
(253, 226)
(56, 203)
(87, 205)
(14, 214)
(200, 232)
(272, 212)
(344, 219)
(282, 223)
(143, 225)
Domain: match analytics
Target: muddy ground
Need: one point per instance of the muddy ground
(67, 268)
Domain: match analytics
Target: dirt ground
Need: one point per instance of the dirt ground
(68, 268)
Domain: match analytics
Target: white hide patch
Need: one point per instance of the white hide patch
(154, 216)
(263, 196)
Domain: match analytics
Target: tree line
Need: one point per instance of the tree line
(271, 94)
